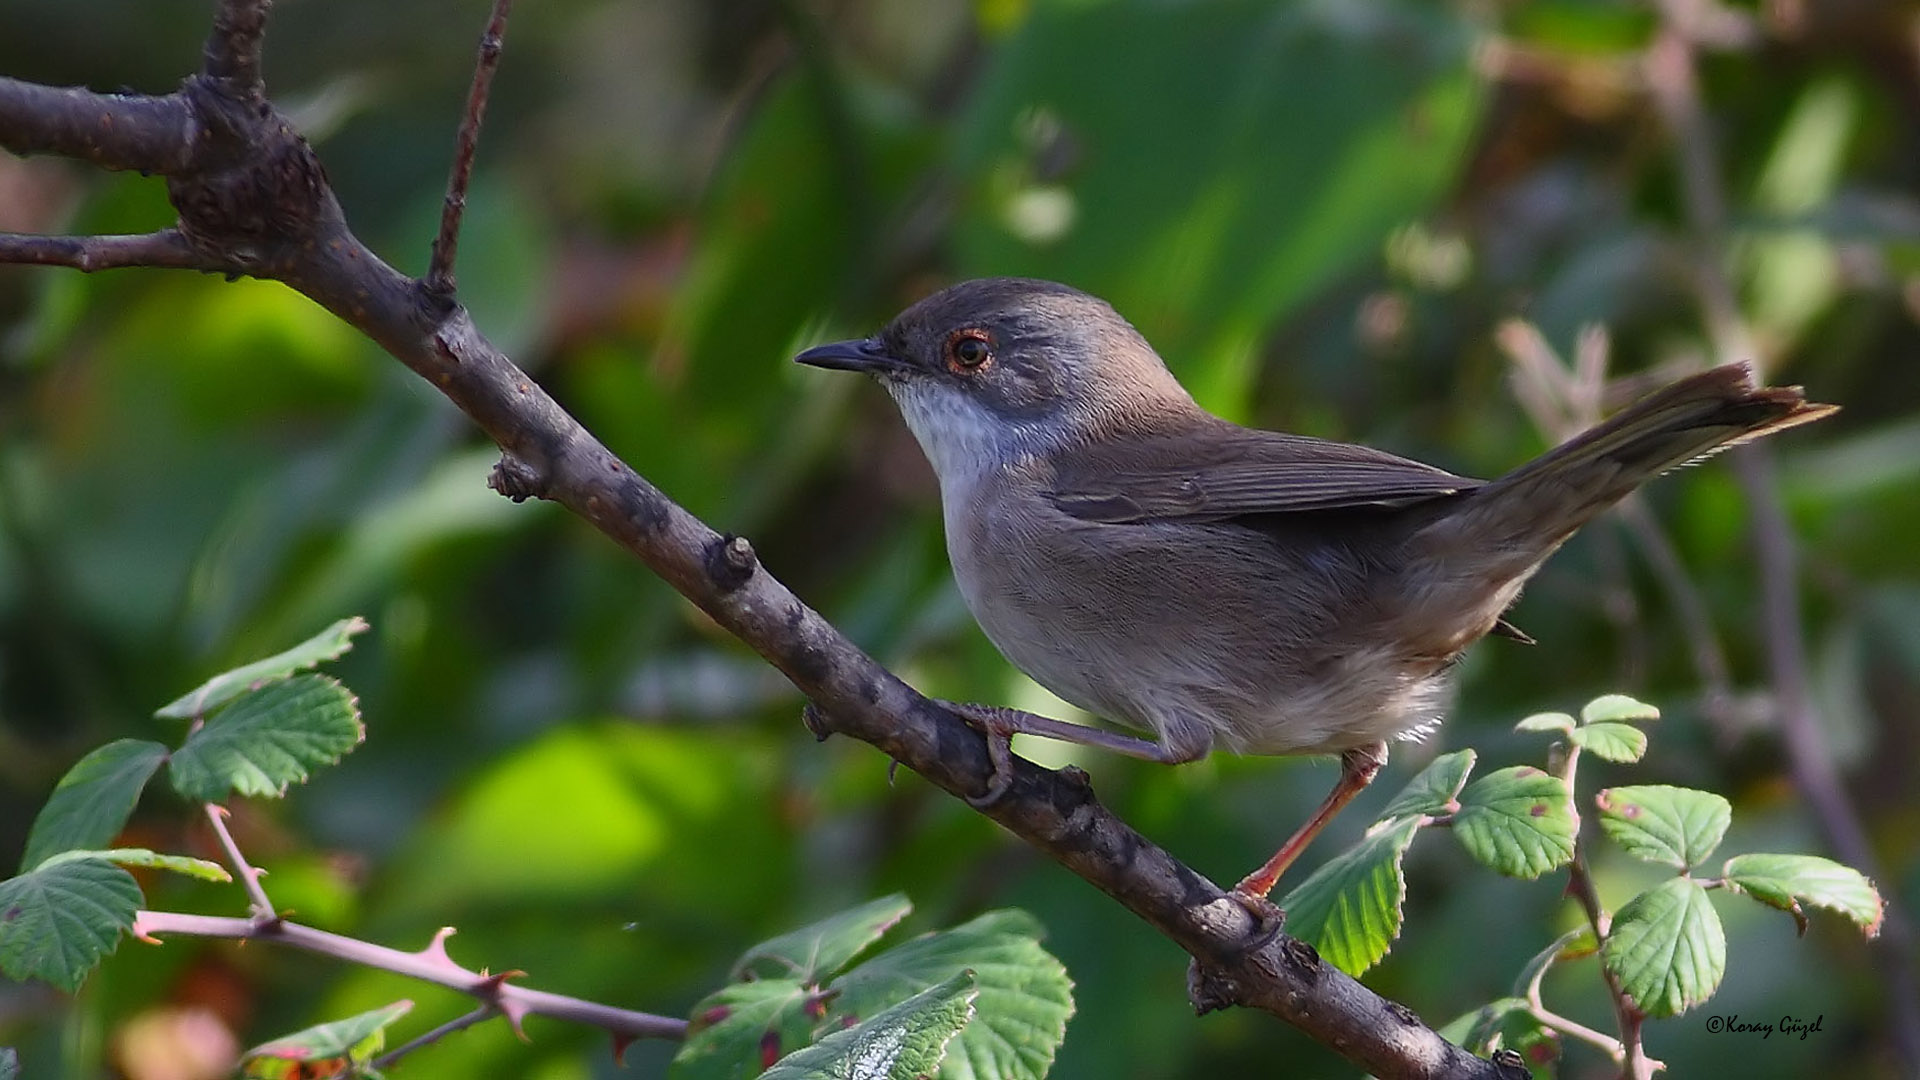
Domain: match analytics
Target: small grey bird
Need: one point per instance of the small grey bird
(1221, 586)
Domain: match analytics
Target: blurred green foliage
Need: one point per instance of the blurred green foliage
(1319, 211)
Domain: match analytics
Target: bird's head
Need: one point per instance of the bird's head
(993, 369)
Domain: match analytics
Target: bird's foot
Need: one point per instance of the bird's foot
(1268, 917)
(998, 726)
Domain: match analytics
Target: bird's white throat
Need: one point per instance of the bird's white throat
(962, 440)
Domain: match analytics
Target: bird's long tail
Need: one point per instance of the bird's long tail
(1531, 510)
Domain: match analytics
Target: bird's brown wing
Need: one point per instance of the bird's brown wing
(1227, 471)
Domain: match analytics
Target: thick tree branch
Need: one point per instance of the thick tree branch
(113, 131)
(253, 199)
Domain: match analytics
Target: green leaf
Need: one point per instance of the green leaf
(812, 953)
(1612, 741)
(1020, 1012)
(1516, 821)
(1546, 721)
(58, 921)
(91, 803)
(1433, 791)
(1349, 909)
(738, 1028)
(342, 1044)
(1789, 882)
(328, 644)
(267, 740)
(1672, 825)
(1025, 997)
(151, 860)
(1617, 707)
(901, 1043)
(1666, 948)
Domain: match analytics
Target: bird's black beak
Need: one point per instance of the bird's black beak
(866, 354)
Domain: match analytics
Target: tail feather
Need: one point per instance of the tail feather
(1542, 502)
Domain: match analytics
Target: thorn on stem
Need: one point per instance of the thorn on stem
(437, 948)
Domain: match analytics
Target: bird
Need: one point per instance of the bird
(1226, 587)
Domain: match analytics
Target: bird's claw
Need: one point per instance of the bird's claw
(1000, 779)
(999, 735)
(1268, 917)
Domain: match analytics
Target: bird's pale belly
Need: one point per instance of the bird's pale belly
(1259, 668)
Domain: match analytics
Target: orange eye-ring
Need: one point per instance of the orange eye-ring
(969, 351)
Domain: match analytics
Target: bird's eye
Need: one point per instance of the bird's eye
(969, 350)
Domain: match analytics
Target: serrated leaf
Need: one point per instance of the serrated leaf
(1568, 946)
(149, 860)
(1790, 881)
(1433, 791)
(58, 921)
(737, 1027)
(1610, 740)
(901, 1043)
(1516, 821)
(1550, 722)
(267, 740)
(1349, 909)
(1672, 825)
(91, 803)
(1617, 707)
(1667, 948)
(1020, 1012)
(350, 1042)
(328, 644)
(1025, 997)
(813, 953)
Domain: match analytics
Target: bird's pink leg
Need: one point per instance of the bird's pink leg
(1358, 767)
